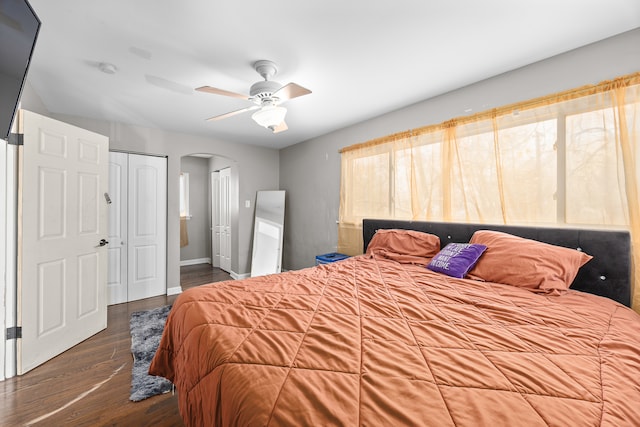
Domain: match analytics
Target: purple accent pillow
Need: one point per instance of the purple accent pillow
(456, 259)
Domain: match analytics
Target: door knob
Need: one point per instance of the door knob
(103, 242)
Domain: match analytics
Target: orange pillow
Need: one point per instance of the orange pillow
(404, 246)
(537, 266)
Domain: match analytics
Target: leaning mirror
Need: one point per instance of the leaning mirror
(268, 233)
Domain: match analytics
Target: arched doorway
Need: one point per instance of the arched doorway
(203, 231)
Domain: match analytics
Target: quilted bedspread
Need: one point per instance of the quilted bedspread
(368, 341)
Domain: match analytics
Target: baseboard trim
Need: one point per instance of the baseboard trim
(174, 291)
(195, 261)
(236, 276)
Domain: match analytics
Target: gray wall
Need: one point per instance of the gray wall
(310, 171)
(253, 168)
(199, 225)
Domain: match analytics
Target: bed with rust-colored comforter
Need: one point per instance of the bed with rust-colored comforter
(369, 341)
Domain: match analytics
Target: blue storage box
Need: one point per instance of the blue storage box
(331, 257)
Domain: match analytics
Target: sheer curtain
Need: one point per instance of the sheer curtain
(568, 159)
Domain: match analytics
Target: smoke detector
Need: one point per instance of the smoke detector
(107, 68)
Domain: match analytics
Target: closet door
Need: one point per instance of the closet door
(215, 219)
(147, 232)
(117, 266)
(225, 220)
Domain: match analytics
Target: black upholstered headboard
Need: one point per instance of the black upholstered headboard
(608, 274)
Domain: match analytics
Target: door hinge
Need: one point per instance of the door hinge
(16, 139)
(14, 332)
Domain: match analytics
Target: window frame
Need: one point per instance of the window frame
(185, 211)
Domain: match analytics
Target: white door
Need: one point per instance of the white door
(147, 233)
(215, 219)
(225, 220)
(117, 230)
(62, 218)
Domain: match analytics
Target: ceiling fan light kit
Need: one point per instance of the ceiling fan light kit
(269, 116)
(267, 96)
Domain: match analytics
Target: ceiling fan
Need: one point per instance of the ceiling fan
(266, 95)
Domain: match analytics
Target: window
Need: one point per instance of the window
(571, 159)
(470, 173)
(184, 195)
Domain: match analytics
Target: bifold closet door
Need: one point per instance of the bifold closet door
(117, 263)
(147, 227)
(138, 266)
(224, 215)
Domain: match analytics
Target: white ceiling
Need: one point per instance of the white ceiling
(361, 58)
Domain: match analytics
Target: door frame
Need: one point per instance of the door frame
(8, 253)
(3, 259)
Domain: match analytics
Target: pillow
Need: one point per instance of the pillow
(456, 259)
(404, 246)
(539, 267)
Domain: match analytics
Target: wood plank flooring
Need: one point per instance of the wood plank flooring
(89, 384)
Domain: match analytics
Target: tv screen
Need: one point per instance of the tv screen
(19, 26)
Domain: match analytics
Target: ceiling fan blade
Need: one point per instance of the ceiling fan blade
(281, 127)
(216, 91)
(290, 91)
(232, 113)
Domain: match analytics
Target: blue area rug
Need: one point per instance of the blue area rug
(146, 330)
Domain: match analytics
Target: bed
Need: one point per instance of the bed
(379, 339)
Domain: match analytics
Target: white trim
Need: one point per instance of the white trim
(174, 291)
(185, 210)
(195, 261)
(11, 255)
(3, 259)
(236, 276)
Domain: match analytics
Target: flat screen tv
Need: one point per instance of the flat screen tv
(19, 27)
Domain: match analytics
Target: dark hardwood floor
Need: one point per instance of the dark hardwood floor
(194, 275)
(89, 384)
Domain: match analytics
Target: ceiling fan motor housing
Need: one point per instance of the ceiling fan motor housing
(265, 89)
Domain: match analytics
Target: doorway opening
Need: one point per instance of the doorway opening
(211, 199)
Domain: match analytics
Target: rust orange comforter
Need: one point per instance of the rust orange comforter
(371, 342)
